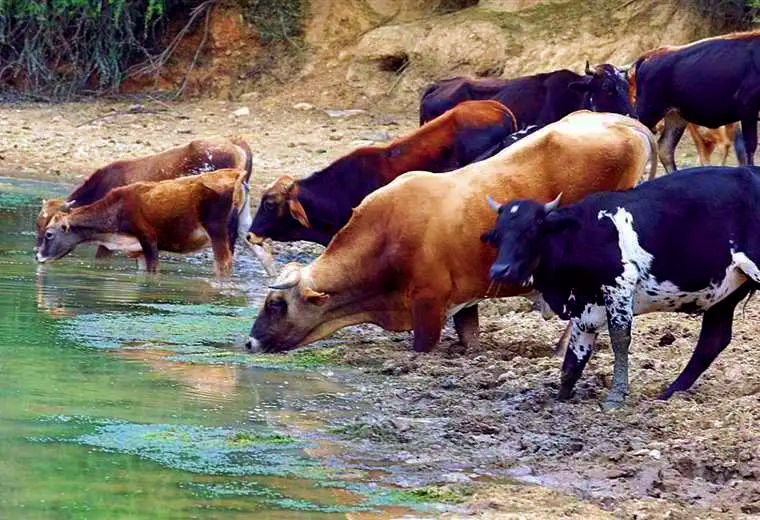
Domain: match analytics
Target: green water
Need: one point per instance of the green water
(125, 395)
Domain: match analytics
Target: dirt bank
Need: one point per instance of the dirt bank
(493, 409)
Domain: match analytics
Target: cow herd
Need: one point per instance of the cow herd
(509, 187)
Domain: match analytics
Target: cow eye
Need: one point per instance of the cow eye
(277, 305)
(269, 205)
(49, 234)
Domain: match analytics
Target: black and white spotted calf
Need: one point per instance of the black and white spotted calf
(687, 242)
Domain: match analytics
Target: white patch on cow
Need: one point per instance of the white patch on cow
(244, 217)
(747, 266)
(456, 308)
(585, 329)
(637, 291)
(118, 241)
(514, 209)
(636, 261)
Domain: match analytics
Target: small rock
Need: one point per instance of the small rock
(519, 471)
(372, 135)
(250, 96)
(667, 339)
(343, 113)
(320, 150)
(185, 130)
(303, 106)
(240, 112)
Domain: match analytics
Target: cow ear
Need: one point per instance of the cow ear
(489, 237)
(555, 223)
(315, 297)
(580, 86)
(298, 213)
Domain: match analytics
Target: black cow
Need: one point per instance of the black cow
(536, 100)
(316, 207)
(710, 82)
(687, 242)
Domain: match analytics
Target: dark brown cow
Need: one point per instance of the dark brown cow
(316, 207)
(178, 215)
(536, 100)
(412, 250)
(711, 82)
(199, 155)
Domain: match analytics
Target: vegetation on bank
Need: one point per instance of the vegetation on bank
(55, 49)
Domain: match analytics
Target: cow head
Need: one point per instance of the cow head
(606, 88)
(279, 212)
(58, 240)
(517, 236)
(293, 314)
(50, 207)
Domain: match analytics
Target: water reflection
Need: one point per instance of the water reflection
(127, 395)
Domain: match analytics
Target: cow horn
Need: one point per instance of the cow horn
(551, 206)
(66, 206)
(588, 69)
(287, 279)
(492, 203)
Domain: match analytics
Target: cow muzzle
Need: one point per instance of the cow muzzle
(254, 239)
(499, 271)
(253, 345)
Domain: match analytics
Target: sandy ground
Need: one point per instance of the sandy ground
(695, 456)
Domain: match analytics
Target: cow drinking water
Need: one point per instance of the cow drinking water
(687, 242)
(179, 215)
(197, 156)
(411, 252)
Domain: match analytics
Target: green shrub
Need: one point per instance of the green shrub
(57, 48)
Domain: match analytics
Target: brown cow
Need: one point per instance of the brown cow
(708, 139)
(412, 250)
(316, 207)
(179, 215)
(199, 155)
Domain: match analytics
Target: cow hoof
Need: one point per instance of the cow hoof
(614, 400)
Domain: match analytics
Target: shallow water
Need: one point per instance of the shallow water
(125, 395)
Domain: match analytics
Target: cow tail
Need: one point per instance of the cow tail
(654, 154)
(653, 149)
(746, 301)
(512, 117)
(240, 194)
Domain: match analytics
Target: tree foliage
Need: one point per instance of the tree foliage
(56, 48)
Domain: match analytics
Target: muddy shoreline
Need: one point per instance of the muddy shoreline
(485, 413)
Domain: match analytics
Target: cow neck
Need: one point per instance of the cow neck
(101, 215)
(329, 195)
(553, 248)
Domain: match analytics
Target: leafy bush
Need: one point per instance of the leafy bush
(276, 19)
(55, 48)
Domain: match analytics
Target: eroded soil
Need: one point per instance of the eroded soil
(494, 408)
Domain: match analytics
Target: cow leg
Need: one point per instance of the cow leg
(674, 128)
(222, 255)
(579, 349)
(103, 252)
(150, 253)
(713, 338)
(620, 337)
(467, 327)
(428, 315)
(561, 346)
(749, 132)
